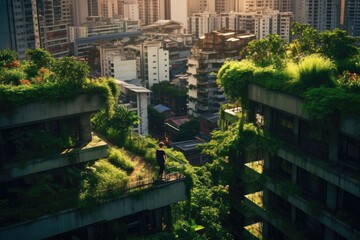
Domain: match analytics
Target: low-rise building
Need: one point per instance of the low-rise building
(136, 99)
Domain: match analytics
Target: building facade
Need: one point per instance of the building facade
(201, 23)
(322, 15)
(135, 98)
(352, 17)
(155, 64)
(53, 20)
(206, 58)
(308, 186)
(17, 29)
(150, 11)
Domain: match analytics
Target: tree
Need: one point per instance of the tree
(7, 56)
(170, 95)
(307, 39)
(38, 58)
(68, 70)
(338, 45)
(116, 127)
(266, 51)
(188, 130)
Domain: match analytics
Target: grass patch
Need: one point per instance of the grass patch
(121, 159)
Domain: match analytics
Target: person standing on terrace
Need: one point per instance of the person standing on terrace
(161, 158)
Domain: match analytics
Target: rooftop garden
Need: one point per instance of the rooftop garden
(322, 68)
(42, 78)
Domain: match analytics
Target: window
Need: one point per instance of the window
(349, 151)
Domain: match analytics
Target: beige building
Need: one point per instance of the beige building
(206, 58)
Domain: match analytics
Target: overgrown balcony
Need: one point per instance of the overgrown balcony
(254, 201)
(339, 223)
(139, 195)
(90, 151)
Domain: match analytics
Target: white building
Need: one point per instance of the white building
(154, 63)
(131, 11)
(118, 63)
(136, 99)
(201, 23)
(272, 22)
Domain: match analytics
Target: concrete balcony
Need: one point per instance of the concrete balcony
(349, 125)
(254, 201)
(277, 100)
(91, 151)
(327, 171)
(325, 217)
(40, 111)
(154, 197)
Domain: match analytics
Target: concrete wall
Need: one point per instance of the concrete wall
(324, 217)
(40, 165)
(156, 197)
(38, 111)
(350, 125)
(328, 172)
(277, 100)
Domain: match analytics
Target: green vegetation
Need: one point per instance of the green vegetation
(119, 158)
(101, 181)
(174, 97)
(42, 78)
(309, 67)
(117, 126)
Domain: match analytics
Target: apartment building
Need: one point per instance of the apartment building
(272, 22)
(150, 11)
(201, 23)
(309, 187)
(131, 11)
(352, 17)
(17, 29)
(119, 61)
(206, 58)
(259, 21)
(321, 14)
(155, 64)
(54, 18)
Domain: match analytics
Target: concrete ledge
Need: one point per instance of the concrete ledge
(47, 226)
(38, 111)
(84, 154)
(349, 125)
(334, 175)
(276, 221)
(324, 217)
(277, 100)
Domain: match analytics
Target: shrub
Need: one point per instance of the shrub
(12, 76)
(121, 159)
(316, 70)
(101, 181)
